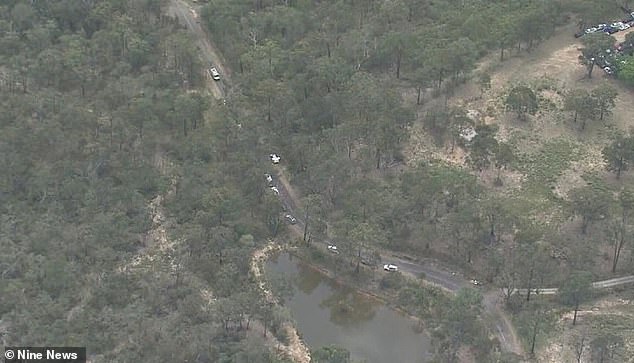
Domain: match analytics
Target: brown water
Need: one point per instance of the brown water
(328, 314)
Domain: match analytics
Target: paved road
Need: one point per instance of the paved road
(189, 16)
(597, 285)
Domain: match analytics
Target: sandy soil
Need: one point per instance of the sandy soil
(561, 349)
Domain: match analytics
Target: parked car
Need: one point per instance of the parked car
(608, 70)
(591, 30)
(290, 219)
(390, 268)
(213, 72)
(333, 249)
(275, 159)
(476, 282)
(269, 179)
(275, 190)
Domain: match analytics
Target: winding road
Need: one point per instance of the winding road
(429, 270)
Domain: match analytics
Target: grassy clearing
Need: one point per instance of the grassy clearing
(543, 168)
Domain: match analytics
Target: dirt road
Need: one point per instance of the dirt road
(295, 347)
(190, 17)
(433, 273)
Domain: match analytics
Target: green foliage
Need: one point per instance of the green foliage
(543, 167)
(535, 325)
(583, 104)
(576, 290)
(523, 100)
(483, 147)
(107, 154)
(591, 203)
(619, 153)
(604, 96)
(626, 69)
(458, 324)
(330, 354)
(594, 44)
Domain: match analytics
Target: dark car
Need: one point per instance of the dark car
(579, 34)
(610, 30)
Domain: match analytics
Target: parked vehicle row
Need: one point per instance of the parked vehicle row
(275, 159)
(609, 28)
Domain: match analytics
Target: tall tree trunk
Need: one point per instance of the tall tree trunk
(618, 245)
(530, 283)
(111, 131)
(534, 335)
(590, 70)
(378, 158)
(306, 228)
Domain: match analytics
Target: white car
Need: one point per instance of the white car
(390, 267)
(275, 190)
(269, 179)
(608, 70)
(476, 282)
(275, 159)
(625, 27)
(214, 74)
(290, 219)
(333, 249)
(591, 30)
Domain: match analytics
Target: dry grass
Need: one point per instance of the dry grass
(602, 314)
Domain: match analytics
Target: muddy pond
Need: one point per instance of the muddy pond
(327, 313)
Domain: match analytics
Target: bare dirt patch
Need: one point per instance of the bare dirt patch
(572, 177)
